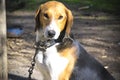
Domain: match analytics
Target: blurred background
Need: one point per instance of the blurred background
(111, 6)
(96, 26)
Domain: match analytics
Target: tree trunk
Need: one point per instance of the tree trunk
(3, 51)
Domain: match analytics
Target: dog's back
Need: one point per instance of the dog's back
(88, 68)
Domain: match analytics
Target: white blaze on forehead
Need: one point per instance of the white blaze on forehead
(52, 26)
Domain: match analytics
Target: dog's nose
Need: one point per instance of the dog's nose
(51, 33)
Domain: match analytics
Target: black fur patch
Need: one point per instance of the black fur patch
(67, 43)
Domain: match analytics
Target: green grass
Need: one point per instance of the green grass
(99, 5)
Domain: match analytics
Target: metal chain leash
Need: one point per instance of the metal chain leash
(31, 69)
(32, 65)
(42, 46)
(37, 47)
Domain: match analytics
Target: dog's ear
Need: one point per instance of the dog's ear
(69, 22)
(37, 18)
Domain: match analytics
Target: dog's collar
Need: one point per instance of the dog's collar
(43, 45)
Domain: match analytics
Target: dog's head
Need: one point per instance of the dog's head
(53, 20)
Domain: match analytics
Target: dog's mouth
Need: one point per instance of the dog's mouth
(49, 42)
(45, 43)
(49, 38)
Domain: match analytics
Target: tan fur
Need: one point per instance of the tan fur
(68, 53)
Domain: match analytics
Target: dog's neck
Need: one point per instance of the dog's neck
(43, 45)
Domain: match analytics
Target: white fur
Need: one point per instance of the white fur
(42, 67)
(52, 26)
(53, 64)
(37, 36)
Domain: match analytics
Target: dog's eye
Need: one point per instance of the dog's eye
(46, 16)
(60, 17)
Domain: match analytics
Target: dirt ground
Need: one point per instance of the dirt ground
(98, 32)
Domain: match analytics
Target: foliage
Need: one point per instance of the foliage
(100, 5)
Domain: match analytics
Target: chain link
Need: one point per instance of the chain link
(32, 64)
(37, 48)
(31, 69)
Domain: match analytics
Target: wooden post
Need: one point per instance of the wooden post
(3, 51)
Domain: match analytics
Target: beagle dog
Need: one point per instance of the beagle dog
(64, 58)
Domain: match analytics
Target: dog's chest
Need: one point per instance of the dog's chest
(54, 62)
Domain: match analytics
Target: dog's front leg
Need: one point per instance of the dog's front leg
(42, 67)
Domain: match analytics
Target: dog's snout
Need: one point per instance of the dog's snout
(51, 33)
